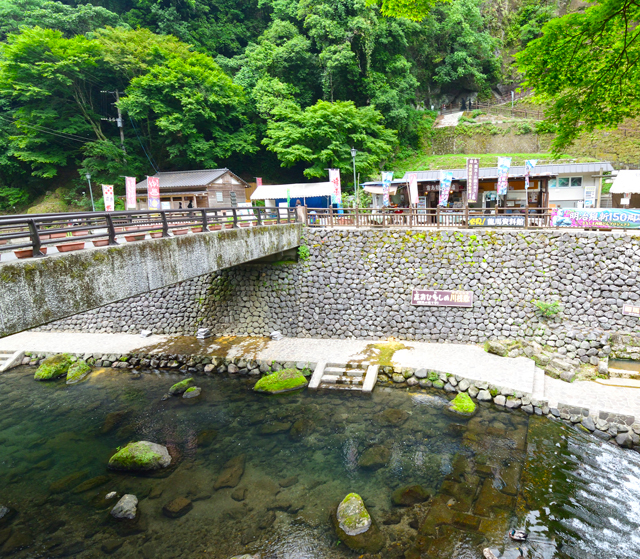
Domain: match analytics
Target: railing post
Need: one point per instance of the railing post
(205, 223)
(356, 218)
(277, 215)
(165, 223)
(526, 217)
(259, 215)
(466, 217)
(438, 217)
(330, 216)
(235, 218)
(35, 239)
(111, 230)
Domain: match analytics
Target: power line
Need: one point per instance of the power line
(142, 145)
(63, 135)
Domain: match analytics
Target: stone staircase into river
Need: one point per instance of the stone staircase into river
(9, 359)
(355, 377)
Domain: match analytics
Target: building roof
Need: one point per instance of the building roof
(551, 170)
(626, 182)
(181, 179)
(296, 190)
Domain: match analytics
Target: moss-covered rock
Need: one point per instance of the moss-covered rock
(192, 392)
(462, 405)
(355, 527)
(497, 348)
(181, 387)
(78, 371)
(281, 381)
(54, 367)
(142, 456)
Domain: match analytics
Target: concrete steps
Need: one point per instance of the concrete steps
(10, 359)
(355, 377)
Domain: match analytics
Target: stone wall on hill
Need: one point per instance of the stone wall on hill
(358, 283)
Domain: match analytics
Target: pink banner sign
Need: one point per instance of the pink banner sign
(413, 188)
(258, 181)
(334, 178)
(153, 193)
(131, 192)
(108, 197)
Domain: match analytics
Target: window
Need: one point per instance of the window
(576, 181)
(563, 182)
(553, 183)
(219, 197)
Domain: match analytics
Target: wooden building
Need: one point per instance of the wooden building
(208, 188)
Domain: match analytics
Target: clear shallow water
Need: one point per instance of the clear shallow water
(578, 498)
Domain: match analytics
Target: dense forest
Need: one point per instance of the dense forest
(274, 88)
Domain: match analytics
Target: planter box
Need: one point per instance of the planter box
(101, 243)
(134, 238)
(57, 235)
(69, 247)
(228, 225)
(196, 229)
(80, 233)
(156, 235)
(28, 253)
(215, 227)
(3, 242)
(180, 231)
(244, 224)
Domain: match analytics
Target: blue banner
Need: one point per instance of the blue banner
(387, 177)
(445, 187)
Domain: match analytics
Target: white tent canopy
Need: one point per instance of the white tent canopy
(296, 190)
(626, 182)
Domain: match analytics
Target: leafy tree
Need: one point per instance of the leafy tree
(585, 69)
(322, 136)
(411, 9)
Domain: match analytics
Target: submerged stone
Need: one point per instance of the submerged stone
(192, 392)
(126, 508)
(375, 457)
(6, 515)
(462, 405)
(355, 527)
(54, 367)
(177, 508)
(181, 387)
(231, 473)
(78, 371)
(281, 381)
(140, 456)
(391, 417)
(67, 482)
(92, 484)
(410, 495)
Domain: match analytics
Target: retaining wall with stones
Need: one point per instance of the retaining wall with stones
(358, 283)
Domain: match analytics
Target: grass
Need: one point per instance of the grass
(425, 162)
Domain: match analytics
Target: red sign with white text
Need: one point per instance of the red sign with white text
(153, 193)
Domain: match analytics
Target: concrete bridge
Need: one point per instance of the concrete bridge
(40, 290)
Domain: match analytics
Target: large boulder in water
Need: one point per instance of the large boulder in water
(462, 406)
(181, 387)
(54, 367)
(282, 381)
(355, 527)
(142, 456)
(78, 371)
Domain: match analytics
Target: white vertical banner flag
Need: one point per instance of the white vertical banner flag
(153, 193)
(334, 179)
(131, 192)
(387, 177)
(108, 197)
(504, 164)
(529, 164)
(413, 189)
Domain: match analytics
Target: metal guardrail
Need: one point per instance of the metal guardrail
(431, 218)
(31, 235)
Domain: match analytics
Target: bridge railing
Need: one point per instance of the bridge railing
(31, 235)
(434, 218)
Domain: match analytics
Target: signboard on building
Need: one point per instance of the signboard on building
(631, 310)
(597, 218)
(473, 176)
(497, 221)
(153, 193)
(435, 298)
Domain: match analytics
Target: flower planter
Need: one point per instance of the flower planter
(57, 235)
(80, 233)
(228, 225)
(3, 242)
(244, 224)
(180, 231)
(28, 253)
(69, 247)
(196, 229)
(134, 238)
(156, 235)
(215, 227)
(269, 222)
(101, 243)
(44, 237)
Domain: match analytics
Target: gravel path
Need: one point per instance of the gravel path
(468, 361)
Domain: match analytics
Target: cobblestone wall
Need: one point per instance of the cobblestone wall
(358, 283)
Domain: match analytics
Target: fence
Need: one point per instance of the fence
(31, 235)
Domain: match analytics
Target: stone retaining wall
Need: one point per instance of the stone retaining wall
(358, 283)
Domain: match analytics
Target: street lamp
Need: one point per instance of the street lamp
(93, 207)
(354, 152)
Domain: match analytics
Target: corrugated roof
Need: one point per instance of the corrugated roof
(177, 179)
(551, 170)
(296, 190)
(626, 182)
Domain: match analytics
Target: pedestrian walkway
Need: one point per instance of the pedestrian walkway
(468, 361)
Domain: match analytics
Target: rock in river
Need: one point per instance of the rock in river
(462, 406)
(281, 381)
(126, 508)
(231, 473)
(54, 367)
(410, 495)
(192, 392)
(391, 417)
(177, 508)
(140, 456)
(6, 514)
(375, 457)
(355, 527)
(181, 387)
(78, 371)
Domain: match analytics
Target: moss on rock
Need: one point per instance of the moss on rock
(181, 387)
(54, 367)
(355, 527)
(463, 405)
(140, 456)
(281, 381)
(78, 371)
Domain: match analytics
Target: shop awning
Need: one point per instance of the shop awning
(627, 182)
(296, 190)
(374, 189)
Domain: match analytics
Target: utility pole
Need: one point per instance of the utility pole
(119, 122)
